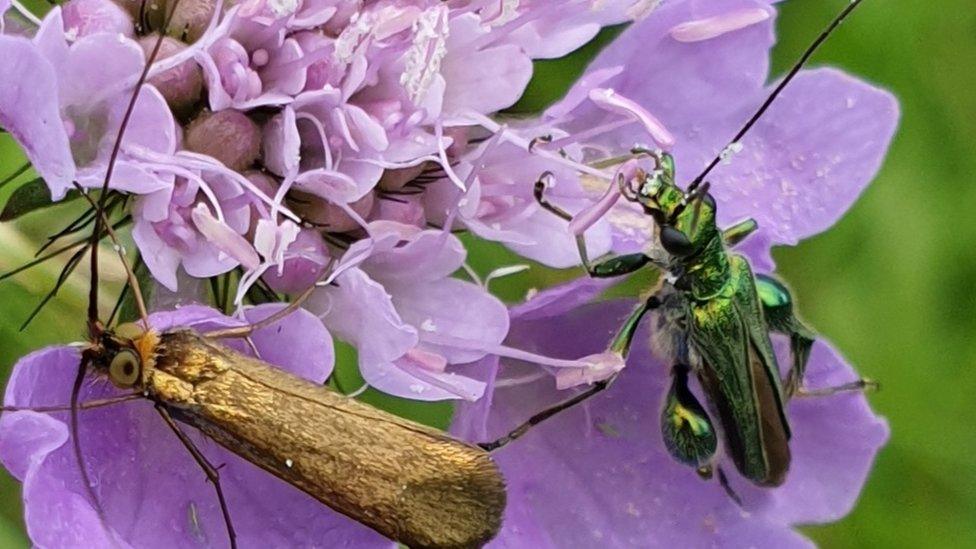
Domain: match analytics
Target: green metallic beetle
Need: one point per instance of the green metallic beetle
(714, 317)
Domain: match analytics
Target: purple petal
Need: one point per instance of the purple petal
(454, 309)
(408, 378)
(29, 111)
(810, 157)
(224, 238)
(299, 343)
(700, 88)
(412, 255)
(607, 461)
(358, 310)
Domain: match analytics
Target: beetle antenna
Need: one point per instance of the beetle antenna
(779, 88)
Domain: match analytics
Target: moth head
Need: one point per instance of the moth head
(124, 355)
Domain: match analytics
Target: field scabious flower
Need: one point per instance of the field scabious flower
(698, 69)
(268, 119)
(291, 139)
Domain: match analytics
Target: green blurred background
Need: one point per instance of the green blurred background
(891, 285)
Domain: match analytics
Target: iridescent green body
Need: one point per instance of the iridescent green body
(714, 317)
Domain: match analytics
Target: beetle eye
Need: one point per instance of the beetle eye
(675, 242)
(124, 369)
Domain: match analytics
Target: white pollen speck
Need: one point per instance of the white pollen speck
(417, 388)
(532, 292)
(728, 152)
(428, 325)
(463, 202)
(289, 463)
(423, 59)
(282, 8)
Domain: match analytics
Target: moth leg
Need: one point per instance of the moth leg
(247, 330)
(621, 344)
(212, 475)
(608, 268)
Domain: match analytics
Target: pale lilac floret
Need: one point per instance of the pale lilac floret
(409, 318)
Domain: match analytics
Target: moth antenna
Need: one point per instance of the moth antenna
(76, 445)
(87, 405)
(245, 331)
(93, 327)
(129, 274)
(838, 19)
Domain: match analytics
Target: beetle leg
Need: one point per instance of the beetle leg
(621, 344)
(738, 232)
(862, 384)
(609, 268)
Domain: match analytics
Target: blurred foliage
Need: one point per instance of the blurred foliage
(891, 285)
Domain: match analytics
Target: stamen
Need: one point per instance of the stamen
(590, 215)
(609, 100)
(711, 27)
(423, 59)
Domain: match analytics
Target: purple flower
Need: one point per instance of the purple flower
(600, 474)
(798, 169)
(153, 493)
(796, 174)
(409, 318)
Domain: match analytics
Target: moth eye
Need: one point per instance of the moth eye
(124, 369)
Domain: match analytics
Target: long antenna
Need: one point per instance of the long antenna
(772, 97)
(100, 208)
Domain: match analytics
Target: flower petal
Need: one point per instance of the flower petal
(29, 111)
(810, 157)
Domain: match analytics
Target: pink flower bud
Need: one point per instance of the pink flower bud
(327, 216)
(394, 180)
(181, 85)
(405, 209)
(84, 17)
(229, 136)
